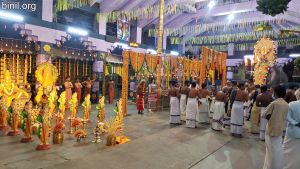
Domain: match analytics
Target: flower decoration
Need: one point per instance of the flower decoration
(76, 122)
(47, 48)
(59, 127)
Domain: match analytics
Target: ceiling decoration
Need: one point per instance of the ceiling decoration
(219, 26)
(63, 5)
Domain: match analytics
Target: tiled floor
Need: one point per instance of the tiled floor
(154, 145)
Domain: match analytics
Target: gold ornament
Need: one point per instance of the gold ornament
(47, 48)
(264, 50)
(46, 74)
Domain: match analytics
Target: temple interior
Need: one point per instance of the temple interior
(149, 84)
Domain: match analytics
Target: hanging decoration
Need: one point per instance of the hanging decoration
(151, 61)
(220, 26)
(137, 60)
(227, 38)
(158, 77)
(17, 71)
(30, 63)
(63, 5)
(148, 12)
(264, 56)
(125, 82)
(264, 51)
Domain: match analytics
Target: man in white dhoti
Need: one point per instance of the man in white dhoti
(262, 102)
(184, 91)
(237, 112)
(291, 143)
(174, 104)
(203, 115)
(276, 114)
(218, 109)
(192, 107)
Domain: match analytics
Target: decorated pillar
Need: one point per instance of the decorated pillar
(159, 66)
(161, 27)
(125, 82)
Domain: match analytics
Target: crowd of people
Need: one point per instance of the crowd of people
(273, 113)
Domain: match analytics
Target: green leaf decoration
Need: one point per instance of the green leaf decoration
(109, 68)
(272, 7)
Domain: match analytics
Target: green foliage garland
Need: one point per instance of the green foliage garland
(272, 7)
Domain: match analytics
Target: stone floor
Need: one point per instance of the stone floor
(154, 145)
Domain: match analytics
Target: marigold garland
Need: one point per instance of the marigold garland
(17, 71)
(125, 82)
(158, 77)
(151, 61)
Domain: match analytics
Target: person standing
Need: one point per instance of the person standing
(87, 87)
(174, 104)
(140, 92)
(68, 88)
(203, 116)
(184, 91)
(262, 102)
(290, 94)
(237, 112)
(291, 143)
(192, 106)
(218, 109)
(276, 114)
(111, 91)
(252, 97)
(78, 88)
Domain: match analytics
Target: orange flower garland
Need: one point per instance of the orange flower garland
(158, 77)
(134, 60)
(224, 60)
(125, 82)
(151, 62)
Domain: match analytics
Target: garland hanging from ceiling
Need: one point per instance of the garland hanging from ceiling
(147, 12)
(220, 26)
(63, 5)
(228, 38)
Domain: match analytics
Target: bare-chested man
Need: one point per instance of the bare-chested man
(203, 109)
(174, 103)
(192, 106)
(184, 91)
(262, 101)
(219, 110)
(237, 112)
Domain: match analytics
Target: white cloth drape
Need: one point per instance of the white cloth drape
(183, 98)
(218, 110)
(262, 124)
(274, 153)
(174, 111)
(202, 116)
(237, 117)
(191, 112)
(291, 153)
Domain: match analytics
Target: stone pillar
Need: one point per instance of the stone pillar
(139, 35)
(102, 26)
(47, 11)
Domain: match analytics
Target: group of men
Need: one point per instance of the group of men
(267, 109)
